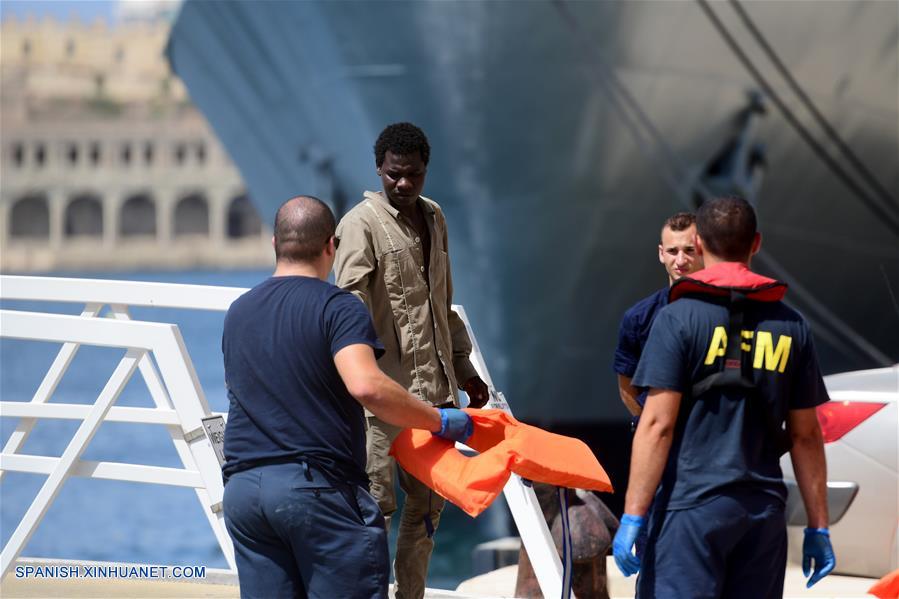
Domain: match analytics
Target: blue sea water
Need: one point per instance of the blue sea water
(133, 522)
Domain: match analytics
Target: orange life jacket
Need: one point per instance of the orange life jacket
(506, 446)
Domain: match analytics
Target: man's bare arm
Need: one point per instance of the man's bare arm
(652, 442)
(629, 395)
(379, 394)
(809, 464)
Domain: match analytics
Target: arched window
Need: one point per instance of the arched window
(138, 216)
(192, 216)
(243, 220)
(180, 153)
(40, 154)
(30, 218)
(84, 217)
(72, 153)
(18, 154)
(95, 153)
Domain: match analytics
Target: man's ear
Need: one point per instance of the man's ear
(661, 254)
(697, 242)
(756, 244)
(273, 241)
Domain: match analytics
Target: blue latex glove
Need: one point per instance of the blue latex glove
(816, 546)
(623, 545)
(455, 425)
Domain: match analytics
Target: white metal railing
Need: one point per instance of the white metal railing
(156, 350)
(532, 528)
(180, 404)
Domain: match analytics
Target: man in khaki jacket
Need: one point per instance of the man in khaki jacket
(393, 256)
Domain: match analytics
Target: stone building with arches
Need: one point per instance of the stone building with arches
(105, 163)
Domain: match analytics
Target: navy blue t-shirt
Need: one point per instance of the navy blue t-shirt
(633, 333)
(722, 441)
(287, 399)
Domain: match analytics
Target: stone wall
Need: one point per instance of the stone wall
(105, 163)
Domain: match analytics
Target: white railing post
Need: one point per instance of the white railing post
(190, 403)
(163, 401)
(535, 534)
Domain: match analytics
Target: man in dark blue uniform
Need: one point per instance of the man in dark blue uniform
(677, 253)
(299, 367)
(727, 365)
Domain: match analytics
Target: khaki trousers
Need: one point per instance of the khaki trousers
(413, 544)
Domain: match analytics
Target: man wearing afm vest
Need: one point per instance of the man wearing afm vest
(709, 448)
(299, 365)
(393, 256)
(677, 253)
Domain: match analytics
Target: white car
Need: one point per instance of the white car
(861, 442)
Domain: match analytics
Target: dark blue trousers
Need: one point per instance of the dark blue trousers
(298, 535)
(732, 547)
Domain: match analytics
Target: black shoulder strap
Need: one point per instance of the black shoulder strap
(736, 371)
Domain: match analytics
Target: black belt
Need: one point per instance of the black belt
(333, 473)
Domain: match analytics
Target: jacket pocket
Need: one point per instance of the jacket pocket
(407, 292)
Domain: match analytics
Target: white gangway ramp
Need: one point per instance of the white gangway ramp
(180, 404)
(532, 527)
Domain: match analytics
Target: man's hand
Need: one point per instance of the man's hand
(816, 546)
(477, 392)
(455, 425)
(623, 545)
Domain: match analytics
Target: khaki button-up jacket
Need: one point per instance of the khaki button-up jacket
(380, 260)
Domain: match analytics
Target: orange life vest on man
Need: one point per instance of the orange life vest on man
(725, 278)
(506, 446)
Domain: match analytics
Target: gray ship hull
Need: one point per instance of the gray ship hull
(562, 135)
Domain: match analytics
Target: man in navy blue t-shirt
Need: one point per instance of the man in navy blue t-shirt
(300, 364)
(677, 253)
(709, 449)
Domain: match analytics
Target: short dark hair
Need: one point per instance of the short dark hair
(303, 226)
(727, 227)
(403, 139)
(680, 221)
